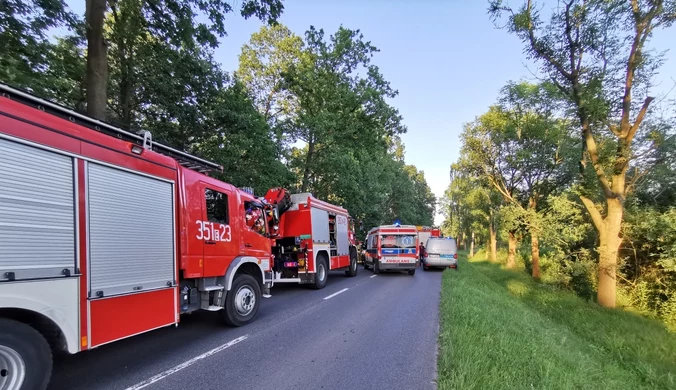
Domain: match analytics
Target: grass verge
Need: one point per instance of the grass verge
(502, 330)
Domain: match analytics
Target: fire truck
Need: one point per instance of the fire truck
(105, 234)
(392, 247)
(312, 238)
(425, 232)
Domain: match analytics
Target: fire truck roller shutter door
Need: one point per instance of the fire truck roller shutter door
(342, 235)
(37, 213)
(131, 231)
(320, 226)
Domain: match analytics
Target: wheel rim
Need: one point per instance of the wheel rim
(354, 265)
(245, 300)
(12, 369)
(322, 272)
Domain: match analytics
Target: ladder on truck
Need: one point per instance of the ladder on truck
(143, 138)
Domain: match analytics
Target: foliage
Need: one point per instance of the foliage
(324, 96)
(602, 68)
(26, 50)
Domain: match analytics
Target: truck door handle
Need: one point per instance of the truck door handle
(248, 245)
(210, 242)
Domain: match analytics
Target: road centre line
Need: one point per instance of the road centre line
(186, 364)
(336, 293)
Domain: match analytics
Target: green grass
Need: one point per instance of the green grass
(501, 330)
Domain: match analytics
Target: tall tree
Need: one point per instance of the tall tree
(175, 22)
(337, 106)
(263, 61)
(601, 67)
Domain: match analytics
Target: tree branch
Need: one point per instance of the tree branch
(629, 136)
(593, 212)
(540, 51)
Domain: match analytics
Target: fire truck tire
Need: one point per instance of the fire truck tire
(242, 301)
(352, 271)
(25, 357)
(322, 272)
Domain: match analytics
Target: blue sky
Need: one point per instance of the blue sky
(446, 59)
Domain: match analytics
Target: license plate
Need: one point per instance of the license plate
(446, 256)
(290, 264)
(396, 260)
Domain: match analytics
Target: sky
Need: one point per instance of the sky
(445, 57)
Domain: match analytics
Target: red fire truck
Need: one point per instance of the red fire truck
(105, 234)
(425, 232)
(313, 238)
(392, 247)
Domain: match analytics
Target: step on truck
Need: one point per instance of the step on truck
(392, 248)
(105, 234)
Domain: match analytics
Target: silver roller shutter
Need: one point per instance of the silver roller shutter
(131, 232)
(342, 236)
(320, 225)
(37, 212)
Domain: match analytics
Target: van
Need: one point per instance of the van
(440, 253)
(392, 248)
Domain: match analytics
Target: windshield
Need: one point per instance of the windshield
(441, 245)
(397, 241)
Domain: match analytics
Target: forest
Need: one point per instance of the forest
(310, 113)
(571, 177)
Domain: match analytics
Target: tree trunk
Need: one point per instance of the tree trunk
(511, 254)
(126, 85)
(97, 59)
(493, 238)
(608, 249)
(535, 253)
(471, 246)
(308, 161)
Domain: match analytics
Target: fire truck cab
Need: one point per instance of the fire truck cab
(392, 247)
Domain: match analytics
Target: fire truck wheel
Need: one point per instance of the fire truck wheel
(352, 271)
(25, 357)
(322, 273)
(242, 301)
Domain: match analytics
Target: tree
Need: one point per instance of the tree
(337, 107)
(601, 67)
(174, 22)
(25, 46)
(263, 62)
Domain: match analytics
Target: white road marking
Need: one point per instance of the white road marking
(373, 276)
(186, 364)
(336, 293)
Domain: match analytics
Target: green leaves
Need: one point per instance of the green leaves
(323, 95)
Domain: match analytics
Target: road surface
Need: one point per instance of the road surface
(366, 332)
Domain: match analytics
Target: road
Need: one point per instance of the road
(366, 332)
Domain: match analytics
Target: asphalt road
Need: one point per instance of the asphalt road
(357, 333)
